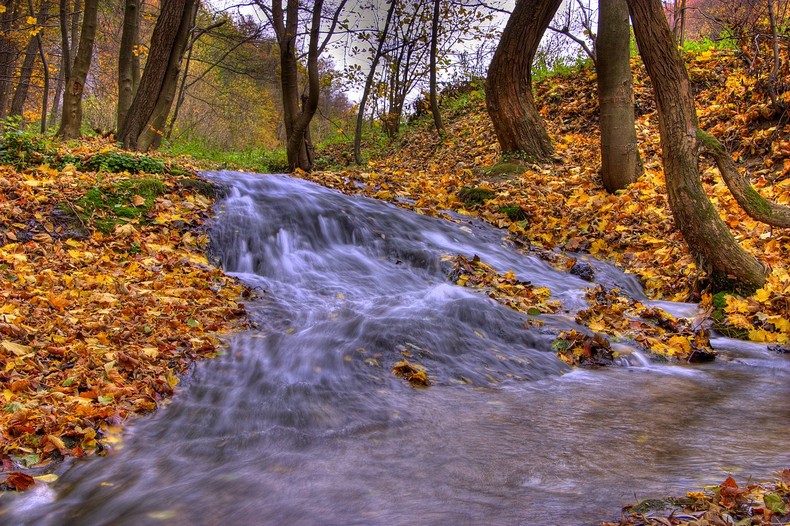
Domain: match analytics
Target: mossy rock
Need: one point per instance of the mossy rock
(502, 171)
(475, 196)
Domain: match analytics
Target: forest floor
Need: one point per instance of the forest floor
(107, 295)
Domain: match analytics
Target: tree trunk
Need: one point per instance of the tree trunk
(65, 58)
(299, 148)
(432, 91)
(8, 55)
(164, 55)
(756, 206)
(709, 240)
(20, 93)
(129, 34)
(71, 120)
(620, 161)
(517, 123)
(44, 65)
(369, 83)
(151, 136)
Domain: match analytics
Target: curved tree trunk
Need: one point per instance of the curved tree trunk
(756, 206)
(620, 161)
(517, 123)
(71, 120)
(20, 93)
(709, 240)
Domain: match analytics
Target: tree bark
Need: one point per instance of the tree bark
(517, 123)
(44, 65)
(71, 120)
(164, 57)
(131, 27)
(20, 93)
(756, 206)
(299, 148)
(432, 91)
(709, 240)
(151, 136)
(8, 55)
(369, 83)
(620, 160)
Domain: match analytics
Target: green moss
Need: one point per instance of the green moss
(475, 196)
(504, 169)
(709, 141)
(760, 204)
(107, 206)
(514, 213)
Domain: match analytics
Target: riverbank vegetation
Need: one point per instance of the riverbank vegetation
(107, 295)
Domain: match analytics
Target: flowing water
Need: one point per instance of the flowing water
(303, 423)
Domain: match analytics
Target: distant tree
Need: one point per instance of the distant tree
(381, 38)
(71, 119)
(517, 123)
(433, 91)
(620, 160)
(297, 116)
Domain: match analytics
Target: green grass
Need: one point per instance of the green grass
(257, 159)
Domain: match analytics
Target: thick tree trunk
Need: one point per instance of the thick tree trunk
(71, 120)
(369, 83)
(709, 240)
(163, 56)
(432, 92)
(620, 160)
(517, 123)
(129, 34)
(151, 136)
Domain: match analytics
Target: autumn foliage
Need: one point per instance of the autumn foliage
(560, 209)
(100, 310)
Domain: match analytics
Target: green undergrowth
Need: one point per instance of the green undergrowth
(105, 207)
(255, 160)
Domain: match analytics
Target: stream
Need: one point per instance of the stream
(302, 421)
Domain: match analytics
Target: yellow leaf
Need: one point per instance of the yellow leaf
(16, 348)
(599, 245)
(762, 295)
(49, 477)
(31, 20)
(8, 395)
(2, 9)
